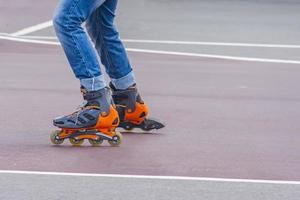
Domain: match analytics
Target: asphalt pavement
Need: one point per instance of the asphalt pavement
(226, 118)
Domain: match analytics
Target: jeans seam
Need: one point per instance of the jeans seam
(74, 39)
(104, 47)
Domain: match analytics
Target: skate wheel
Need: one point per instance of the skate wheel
(54, 137)
(117, 140)
(97, 142)
(146, 129)
(76, 142)
(128, 127)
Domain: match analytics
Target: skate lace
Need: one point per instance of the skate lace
(80, 109)
(119, 105)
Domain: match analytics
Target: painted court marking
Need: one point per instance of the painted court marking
(152, 177)
(19, 36)
(213, 43)
(32, 29)
(49, 23)
(184, 42)
(224, 57)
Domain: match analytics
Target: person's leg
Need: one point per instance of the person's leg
(67, 20)
(131, 108)
(98, 115)
(101, 28)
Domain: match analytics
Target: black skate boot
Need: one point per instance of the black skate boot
(132, 110)
(96, 121)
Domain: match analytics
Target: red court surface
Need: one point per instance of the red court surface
(220, 123)
(230, 112)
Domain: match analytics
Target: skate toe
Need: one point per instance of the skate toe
(64, 122)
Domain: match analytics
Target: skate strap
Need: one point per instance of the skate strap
(92, 95)
(92, 107)
(82, 108)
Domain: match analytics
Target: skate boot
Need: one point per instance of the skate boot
(96, 121)
(132, 110)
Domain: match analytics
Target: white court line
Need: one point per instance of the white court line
(187, 178)
(39, 37)
(213, 43)
(224, 57)
(32, 29)
(288, 46)
(18, 39)
(49, 23)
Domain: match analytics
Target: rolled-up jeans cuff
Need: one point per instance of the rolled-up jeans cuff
(94, 83)
(124, 82)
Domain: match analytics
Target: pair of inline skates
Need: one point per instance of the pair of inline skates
(101, 114)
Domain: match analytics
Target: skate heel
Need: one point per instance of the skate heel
(133, 111)
(138, 115)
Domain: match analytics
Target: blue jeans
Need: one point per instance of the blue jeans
(98, 16)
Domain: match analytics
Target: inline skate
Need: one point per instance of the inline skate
(95, 121)
(133, 111)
